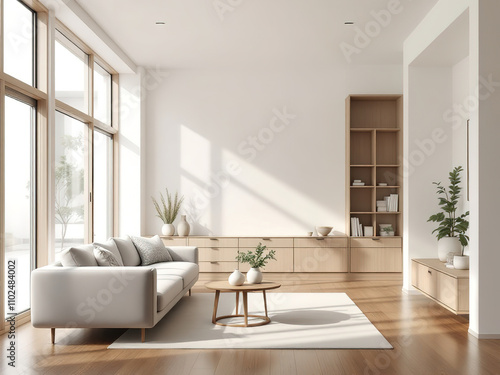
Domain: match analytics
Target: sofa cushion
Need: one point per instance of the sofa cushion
(167, 287)
(105, 257)
(110, 245)
(185, 270)
(151, 250)
(79, 256)
(127, 250)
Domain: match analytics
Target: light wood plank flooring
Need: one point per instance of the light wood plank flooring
(427, 339)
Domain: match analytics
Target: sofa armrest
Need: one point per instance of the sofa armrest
(93, 297)
(184, 253)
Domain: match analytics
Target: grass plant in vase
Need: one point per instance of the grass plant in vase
(167, 211)
(256, 260)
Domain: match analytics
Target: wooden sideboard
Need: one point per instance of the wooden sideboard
(449, 287)
(339, 254)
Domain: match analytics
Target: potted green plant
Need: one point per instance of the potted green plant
(452, 227)
(387, 231)
(256, 260)
(168, 211)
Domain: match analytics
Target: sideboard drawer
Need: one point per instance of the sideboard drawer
(174, 241)
(320, 242)
(366, 259)
(210, 254)
(270, 242)
(213, 242)
(376, 242)
(215, 266)
(319, 259)
(425, 279)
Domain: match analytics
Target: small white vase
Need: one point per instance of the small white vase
(236, 278)
(448, 245)
(168, 229)
(254, 276)
(461, 262)
(183, 227)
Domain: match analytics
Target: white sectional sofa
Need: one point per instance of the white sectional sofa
(87, 295)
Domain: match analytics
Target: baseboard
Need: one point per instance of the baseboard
(485, 336)
(410, 292)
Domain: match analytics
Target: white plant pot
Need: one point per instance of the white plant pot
(183, 227)
(168, 229)
(448, 245)
(236, 278)
(461, 262)
(254, 276)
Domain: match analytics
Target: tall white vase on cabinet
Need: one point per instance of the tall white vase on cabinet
(183, 227)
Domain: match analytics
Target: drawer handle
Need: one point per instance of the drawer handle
(320, 239)
(215, 248)
(214, 262)
(214, 239)
(375, 239)
(429, 272)
(266, 239)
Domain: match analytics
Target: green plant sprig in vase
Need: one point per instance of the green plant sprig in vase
(168, 211)
(256, 260)
(452, 227)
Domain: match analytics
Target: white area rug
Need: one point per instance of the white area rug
(298, 321)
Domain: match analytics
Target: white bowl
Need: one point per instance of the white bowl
(323, 231)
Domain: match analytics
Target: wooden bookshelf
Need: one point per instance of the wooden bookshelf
(373, 154)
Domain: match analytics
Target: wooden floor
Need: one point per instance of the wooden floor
(427, 339)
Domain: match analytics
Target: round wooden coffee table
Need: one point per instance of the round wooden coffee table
(224, 286)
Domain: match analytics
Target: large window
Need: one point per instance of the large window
(71, 74)
(102, 94)
(70, 182)
(20, 192)
(103, 186)
(19, 41)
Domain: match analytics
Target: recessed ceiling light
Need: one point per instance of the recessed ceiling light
(160, 22)
(349, 23)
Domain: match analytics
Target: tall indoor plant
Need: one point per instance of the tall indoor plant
(257, 260)
(168, 211)
(452, 228)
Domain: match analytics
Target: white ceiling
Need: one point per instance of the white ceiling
(253, 33)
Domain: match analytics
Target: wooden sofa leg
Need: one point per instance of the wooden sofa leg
(143, 334)
(189, 292)
(53, 335)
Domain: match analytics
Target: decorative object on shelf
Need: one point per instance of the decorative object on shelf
(358, 183)
(452, 228)
(183, 227)
(382, 184)
(368, 231)
(168, 211)
(449, 260)
(236, 278)
(309, 234)
(461, 262)
(323, 231)
(387, 231)
(256, 260)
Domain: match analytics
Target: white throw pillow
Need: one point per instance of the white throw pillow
(151, 250)
(105, 257)
(128, 252)
(110, 245)
(78, 256)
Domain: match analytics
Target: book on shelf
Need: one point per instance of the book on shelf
(356, 227)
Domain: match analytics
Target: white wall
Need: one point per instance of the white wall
(198, 129)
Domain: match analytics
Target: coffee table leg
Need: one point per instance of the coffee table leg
(237, 302)
(245, 308)
(265, 301)
(216, 304)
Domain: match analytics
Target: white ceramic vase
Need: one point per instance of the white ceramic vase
(448, 245)
(168, 229)
(236, 278)
(254, 276)
(183, 227)
(461, 262)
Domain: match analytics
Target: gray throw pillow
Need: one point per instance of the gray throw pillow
(79, 256)
(127, 250)
(105, 257)
(110, 245)
(151, 250)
